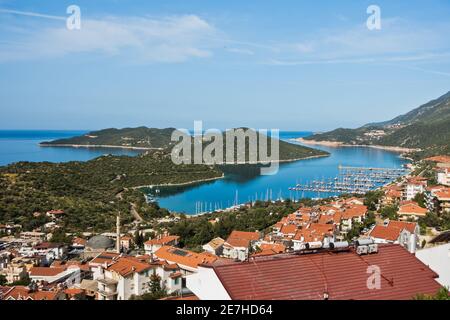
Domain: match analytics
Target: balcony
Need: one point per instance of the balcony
(107, 294)
(107, 281)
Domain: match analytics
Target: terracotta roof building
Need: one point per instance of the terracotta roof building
(268, 249)
(187, 260)
(24, 293)
(411, 210)
(239, 243)
(401, 232)
(318, 276)
(152, 245)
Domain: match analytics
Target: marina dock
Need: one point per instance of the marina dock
(357, 180)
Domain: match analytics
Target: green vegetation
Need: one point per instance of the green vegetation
(389, 212)
(434, 220)
(91, 193)
(442, 294)
(141, 137)
(25, 281)
(426, 128)
(373, 198)
(156, 291)
(420, 199)
(2, 280)
(357, 228)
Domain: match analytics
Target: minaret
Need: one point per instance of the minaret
(118, 233)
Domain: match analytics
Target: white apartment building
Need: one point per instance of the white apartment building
(414, 186)
(125, 277)
(443, 176)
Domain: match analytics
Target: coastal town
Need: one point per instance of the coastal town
(327, 249)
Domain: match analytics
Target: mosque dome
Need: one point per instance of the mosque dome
(100, 242)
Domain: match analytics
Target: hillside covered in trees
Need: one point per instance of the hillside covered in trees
(91, 193)
(426, 128)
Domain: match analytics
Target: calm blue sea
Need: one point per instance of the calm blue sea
(24, 146)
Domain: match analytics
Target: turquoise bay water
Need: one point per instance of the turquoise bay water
(223, 193)
(16, 145)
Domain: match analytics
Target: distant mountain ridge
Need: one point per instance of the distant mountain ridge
(426, 128)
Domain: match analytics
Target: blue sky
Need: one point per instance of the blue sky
(293, 65)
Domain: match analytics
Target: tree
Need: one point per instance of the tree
(420, 199)
(59, 236)
(3, 280)
(389, 212)
(155, 286)
(138, 239)
(25, 281)
(372, 198)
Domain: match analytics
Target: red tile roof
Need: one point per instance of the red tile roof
(184, 257)
(417, 181)
(162, 241)
(314, 232)
(252, 236)
(73, 291)
(288, 229)
(443, 194)
(241, 238)
(384, 232)
(270, 249)
(47, 245)
(45, 272)
(79, 241)
(126, 266)
(355, 211)
(342, 275)
(410, 226)
(70, 264)
(391, 232)
(23, 293)
(439, 159)
(413, 209)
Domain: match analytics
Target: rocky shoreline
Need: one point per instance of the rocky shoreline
(341, 144)
(181, 183)
(96, 146)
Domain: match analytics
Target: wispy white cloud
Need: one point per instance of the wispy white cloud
(368, 59)
(398, 41)
(139, 39)
(31, 14)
